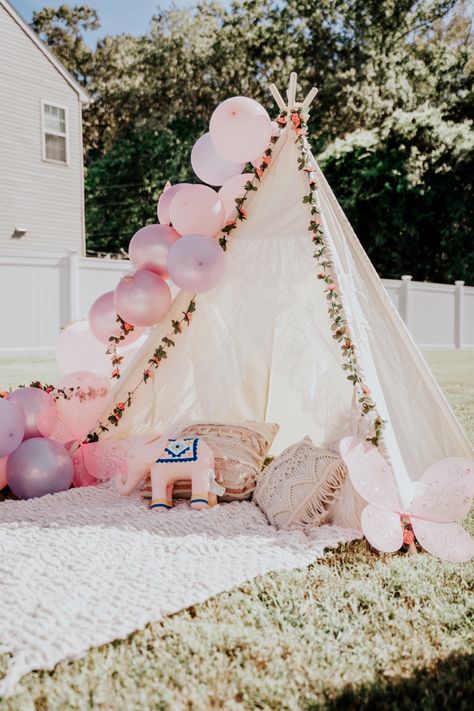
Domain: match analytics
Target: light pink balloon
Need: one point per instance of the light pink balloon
(209, 165)
(143, 298)
(89, 399)
(31, 402)
(149, 248)
(3, 472)
(197, 209)
(49, 424)
(233, 188)
(196, 263)
(103, 324)
(240, 129)
(164, 202)
(77, 348)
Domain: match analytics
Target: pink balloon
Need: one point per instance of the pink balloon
(209, 165)
(31, 402)
(77, 348)
(89, 399)
(196, 264)
(12, 427)
(149, 248)
(143, 298)
(103, 324)
(164, 202)
(232, 189)
(196, 209)
(240, 129)
(3, 472)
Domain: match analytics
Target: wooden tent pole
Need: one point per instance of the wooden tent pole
(278, 97)
(291, 93)
(307, 102)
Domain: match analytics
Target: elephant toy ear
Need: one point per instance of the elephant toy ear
(107, 460)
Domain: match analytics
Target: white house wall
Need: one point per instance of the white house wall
(45, 198)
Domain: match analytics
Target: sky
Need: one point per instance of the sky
(131, 16)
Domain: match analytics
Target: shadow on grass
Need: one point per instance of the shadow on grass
(444, 685)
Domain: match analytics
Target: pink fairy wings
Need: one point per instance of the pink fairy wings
(442, 496)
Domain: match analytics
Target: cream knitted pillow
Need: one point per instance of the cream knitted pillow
(298, 487)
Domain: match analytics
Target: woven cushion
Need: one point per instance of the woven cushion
(239, 452)
(298, 487)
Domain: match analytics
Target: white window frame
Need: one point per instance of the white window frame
(45, 102)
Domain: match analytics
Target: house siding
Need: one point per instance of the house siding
(43, 197)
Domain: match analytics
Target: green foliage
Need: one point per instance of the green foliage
(374, 62)
(407, 190)
(122, 187)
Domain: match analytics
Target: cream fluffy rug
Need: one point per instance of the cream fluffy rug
(85, 567)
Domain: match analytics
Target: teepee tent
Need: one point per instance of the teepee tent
(263, 346)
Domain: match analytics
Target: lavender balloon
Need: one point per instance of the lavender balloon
(31, 402)
(38, 467)
(12, 427)
(196, 264)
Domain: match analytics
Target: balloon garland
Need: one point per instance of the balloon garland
(168, 342)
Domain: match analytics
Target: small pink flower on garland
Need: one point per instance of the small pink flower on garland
(125, 329)
(326, 274)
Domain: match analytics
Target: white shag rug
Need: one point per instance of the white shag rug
(87, 566)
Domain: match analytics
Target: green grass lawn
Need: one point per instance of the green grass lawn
(357, 630)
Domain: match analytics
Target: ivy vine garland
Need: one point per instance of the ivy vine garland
(339, 325)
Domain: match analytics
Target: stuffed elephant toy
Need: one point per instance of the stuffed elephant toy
(168, 460)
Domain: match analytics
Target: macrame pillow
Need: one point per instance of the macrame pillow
(239, 452)
(299, 486)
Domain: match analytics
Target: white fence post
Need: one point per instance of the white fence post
(405, 299)
(74, 285)
(458, 314)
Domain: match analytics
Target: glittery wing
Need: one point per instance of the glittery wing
(370, 474)
(448, 541)
(106, 460)
(445, 491)
(81, 476)
(382, 529)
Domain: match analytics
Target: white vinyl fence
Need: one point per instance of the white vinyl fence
(40, 295)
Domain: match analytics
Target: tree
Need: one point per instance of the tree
(62, 30)
(407, 189)
(381, 66)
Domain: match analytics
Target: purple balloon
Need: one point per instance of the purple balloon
(38, 467)
(12, 427)
(31, 401)
(196, 263)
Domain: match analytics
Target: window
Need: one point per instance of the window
(55, 146)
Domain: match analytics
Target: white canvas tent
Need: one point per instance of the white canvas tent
(260, 345)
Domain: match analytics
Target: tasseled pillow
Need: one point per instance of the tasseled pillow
(298, 487)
